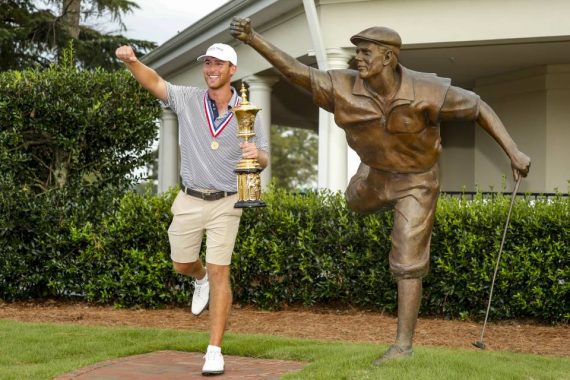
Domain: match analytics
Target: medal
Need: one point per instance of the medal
(215, 124)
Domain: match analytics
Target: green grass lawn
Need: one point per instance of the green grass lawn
(43, 351)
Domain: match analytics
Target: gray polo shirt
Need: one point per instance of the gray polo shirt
(202, 167)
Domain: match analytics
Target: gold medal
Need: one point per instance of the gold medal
(214, 145)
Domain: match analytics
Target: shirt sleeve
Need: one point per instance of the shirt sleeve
(460, 104)
(260, 139)
(322, 89)
(176, 95)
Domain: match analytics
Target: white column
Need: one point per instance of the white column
(260, 95)
(336, 149)
(323, 154)
(168, 160)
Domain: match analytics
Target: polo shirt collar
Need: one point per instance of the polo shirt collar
(233, 99)
(405, 92)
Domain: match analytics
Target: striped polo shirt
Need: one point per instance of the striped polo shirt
(202, 167)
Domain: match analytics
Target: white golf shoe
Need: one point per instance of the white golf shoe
(213, 363)
(201, 297)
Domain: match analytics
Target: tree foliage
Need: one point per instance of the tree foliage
(34, 33)
(294, 154)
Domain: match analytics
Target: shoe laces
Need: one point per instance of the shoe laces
(198, 288)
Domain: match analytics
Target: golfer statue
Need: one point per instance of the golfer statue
(391, 118)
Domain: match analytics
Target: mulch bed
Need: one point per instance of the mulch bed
(321, 324)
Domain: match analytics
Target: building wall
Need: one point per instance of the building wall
(425, 22)
(558, 128)
(456, 163)
(533, 104)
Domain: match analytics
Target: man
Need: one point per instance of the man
(391, 117)
(210, 150)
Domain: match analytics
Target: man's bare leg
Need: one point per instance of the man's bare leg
(195, 269)
(220, 301)
(409, 298)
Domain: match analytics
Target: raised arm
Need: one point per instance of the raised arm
(293, 70)
(147, 77)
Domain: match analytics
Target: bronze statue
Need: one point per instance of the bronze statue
(391, 117)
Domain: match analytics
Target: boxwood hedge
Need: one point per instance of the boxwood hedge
(306, 249)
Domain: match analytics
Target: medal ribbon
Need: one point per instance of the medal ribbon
(216, 128)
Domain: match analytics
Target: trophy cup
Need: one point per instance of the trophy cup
(248, 178)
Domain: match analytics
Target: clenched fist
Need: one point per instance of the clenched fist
(241, 29)
(520, 163)
(126, 54)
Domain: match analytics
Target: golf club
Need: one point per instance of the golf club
(479, 343)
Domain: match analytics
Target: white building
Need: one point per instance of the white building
(514, 53)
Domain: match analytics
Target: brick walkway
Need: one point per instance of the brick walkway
(174, 365)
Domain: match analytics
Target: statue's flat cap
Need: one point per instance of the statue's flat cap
(379, 35)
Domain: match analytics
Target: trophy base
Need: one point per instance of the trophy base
(249, 204)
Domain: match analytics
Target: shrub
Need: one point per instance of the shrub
(532, 279)
(309, 249)
(69, 140)
(65, 127)
(126, 258)
(37, 258)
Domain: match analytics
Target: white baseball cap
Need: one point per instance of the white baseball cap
(221, 51)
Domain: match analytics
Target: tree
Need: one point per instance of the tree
(294, 154)
(71, 11)
(30, 36)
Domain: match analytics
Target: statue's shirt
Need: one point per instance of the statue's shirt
(399, 135)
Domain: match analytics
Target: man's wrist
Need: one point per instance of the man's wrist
(130, 63)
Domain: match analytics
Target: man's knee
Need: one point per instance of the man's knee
(219, 272)
(360, 199)
(186, 269)
(410, 266)
(219, 276)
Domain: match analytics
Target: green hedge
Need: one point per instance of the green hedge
(69, 141)
(534, 272)
(64, 127)
(126, 257)
(309, 249)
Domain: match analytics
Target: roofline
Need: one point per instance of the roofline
(177, 51)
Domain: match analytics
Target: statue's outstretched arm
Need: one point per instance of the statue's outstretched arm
(292, 69)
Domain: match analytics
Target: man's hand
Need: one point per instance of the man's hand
(241, 29)
(520, 163)
(126, 54)
(147, 77)
(249, 151)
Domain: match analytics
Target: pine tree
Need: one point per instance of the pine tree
(34, 36)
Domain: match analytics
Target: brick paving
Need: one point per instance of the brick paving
(174, 365)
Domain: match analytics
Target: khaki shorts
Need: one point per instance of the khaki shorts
(194, 216)
(413, 197)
